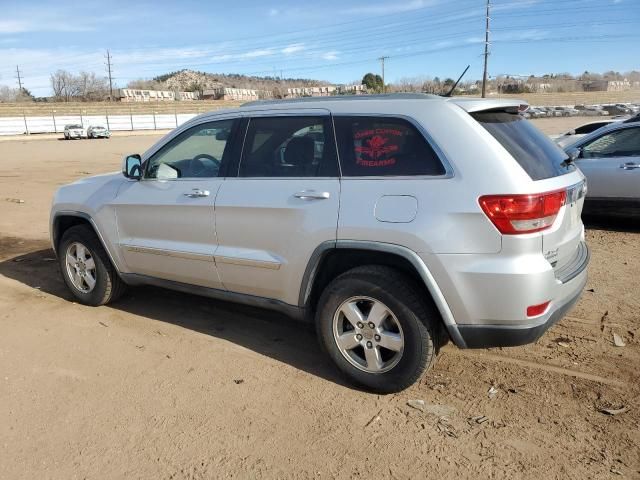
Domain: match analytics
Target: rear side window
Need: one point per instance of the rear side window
(590, 127)
(536, 154)
(289, 147)
(381, 146)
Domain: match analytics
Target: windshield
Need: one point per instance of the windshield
(536, 154)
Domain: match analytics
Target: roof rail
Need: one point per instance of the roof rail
(344, 98)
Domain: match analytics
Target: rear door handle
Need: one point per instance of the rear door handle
(630, 166)
(196, 193)
(312, 195)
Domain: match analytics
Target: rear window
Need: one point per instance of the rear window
(536, 154)
(383, 146)
(590, 127)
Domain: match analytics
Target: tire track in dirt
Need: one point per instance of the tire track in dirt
(536, 366)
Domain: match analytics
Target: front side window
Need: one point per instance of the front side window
(196, 153)
(382, 146)
(289, 147)
(621, 143)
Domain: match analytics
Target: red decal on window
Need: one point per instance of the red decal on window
(376, 147)
(376, 163)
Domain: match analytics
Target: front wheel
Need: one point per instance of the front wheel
(377, 328)
(86, 268)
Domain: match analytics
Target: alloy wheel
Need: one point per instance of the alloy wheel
(81, 267)
(368, 334)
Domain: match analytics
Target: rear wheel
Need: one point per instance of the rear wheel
(377, 329)
(86, 267)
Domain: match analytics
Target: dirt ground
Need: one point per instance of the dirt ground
(164, 385)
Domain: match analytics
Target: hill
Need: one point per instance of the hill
(190, 80)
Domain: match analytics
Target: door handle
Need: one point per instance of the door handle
(312, 195)
(196, 193)
(630, 166)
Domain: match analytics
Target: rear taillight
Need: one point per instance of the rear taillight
(517, 214)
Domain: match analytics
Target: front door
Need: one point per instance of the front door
(166, 223)
(282, 204)
(611, 164)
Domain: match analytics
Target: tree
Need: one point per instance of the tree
(8, 94)
(84, 87)
(373, 82)
(24, 95)
(197, 87)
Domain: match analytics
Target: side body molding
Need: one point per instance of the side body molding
(411, 256)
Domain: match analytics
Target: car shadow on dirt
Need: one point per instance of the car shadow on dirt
(263, 331)
(611, 223)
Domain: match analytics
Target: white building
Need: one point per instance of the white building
(135, 95)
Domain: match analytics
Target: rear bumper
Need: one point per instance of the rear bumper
(488, 297)
(489, 336)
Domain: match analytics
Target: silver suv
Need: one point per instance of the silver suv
(394, 222)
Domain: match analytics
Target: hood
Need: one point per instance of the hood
(98, 179)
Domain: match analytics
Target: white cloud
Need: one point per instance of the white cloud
(294, 48)
(43, 25)
(332, 55)
(274, 12)
(531, 34)
(263, 52)
(390, 7)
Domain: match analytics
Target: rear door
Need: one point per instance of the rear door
(611, 163)
(280, 203)
(166, 222)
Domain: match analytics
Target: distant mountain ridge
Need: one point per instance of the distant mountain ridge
(191, 80)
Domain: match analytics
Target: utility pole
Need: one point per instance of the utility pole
(382, 59)
(486, 52)
(19, 78)
(108, 57)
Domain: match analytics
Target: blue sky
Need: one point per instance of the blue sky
(331, 40)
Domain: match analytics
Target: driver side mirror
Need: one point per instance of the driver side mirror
(574, 153)
(132, 166)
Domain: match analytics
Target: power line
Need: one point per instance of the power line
(108, 57)
(486, 52)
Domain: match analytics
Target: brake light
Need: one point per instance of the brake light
(535, 310)
(518, 214)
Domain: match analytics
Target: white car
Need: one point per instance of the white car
(98, 131)
(74, 131)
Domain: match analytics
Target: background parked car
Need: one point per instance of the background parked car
(74, 131)
(546, 111)
(534, 112)
(566, 111)
(617, 109)
(629, 106)
(98, 131)
(610, 159)
(572, 135)
(591, 110)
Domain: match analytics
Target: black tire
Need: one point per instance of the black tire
(108, 286)
(420, 323)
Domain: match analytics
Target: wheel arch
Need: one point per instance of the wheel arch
(64, 220)
(333, 258)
